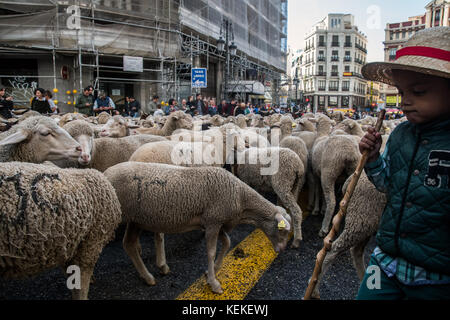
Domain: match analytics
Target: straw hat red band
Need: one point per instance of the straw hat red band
(428, 52)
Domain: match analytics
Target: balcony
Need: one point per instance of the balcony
(334, 58)
(322, 88)
(347, 59)
(321, 74)
(358, 46)
(309, 48)
(333, 89)
(348, 45)
(345, 89)
(359, 61)
(335, 44)
(322, 44)
(321, 58)
(335, 74)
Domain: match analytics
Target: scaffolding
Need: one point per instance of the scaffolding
(162, 32)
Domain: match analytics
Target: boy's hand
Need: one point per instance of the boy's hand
(371, 141)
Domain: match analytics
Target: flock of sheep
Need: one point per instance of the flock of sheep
(67, 182)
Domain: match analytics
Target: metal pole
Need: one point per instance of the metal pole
(227, 67)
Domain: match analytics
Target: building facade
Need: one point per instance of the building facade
(335, 51)
(139, 47)
(396, 34)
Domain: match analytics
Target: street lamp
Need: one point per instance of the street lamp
(230, 49)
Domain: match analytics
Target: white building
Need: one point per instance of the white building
(335, 51)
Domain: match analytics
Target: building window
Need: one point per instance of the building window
(345, 85)
(321, 100)
(322, 85)
(332, 101)
(347, 68)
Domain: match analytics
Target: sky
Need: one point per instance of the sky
(371, 17)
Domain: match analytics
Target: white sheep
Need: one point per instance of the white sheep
(361, 222)
(51, 217)
(158, 198)
(37, 139)
(277, 170)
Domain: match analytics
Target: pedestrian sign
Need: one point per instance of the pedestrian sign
(199, 78)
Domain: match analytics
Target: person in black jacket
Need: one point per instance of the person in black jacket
(6, 104)
(39, 103)
(222, 108)
(239, 110)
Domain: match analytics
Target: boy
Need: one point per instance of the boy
(413, 239)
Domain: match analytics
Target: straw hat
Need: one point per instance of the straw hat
(428, 51)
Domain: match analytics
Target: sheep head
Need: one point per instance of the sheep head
(278, 229)
(116, 127)
(39, 139)
(83, 133)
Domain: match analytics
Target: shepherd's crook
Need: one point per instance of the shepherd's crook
(339, 216)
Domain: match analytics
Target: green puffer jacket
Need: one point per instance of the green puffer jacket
(415, 173)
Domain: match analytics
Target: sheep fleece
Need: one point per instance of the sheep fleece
(50, 217)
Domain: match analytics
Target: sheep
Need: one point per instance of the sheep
(351, 127)
(103, 117)
(157, 197)
(70, 117)
(241, 121)
(324, 126)
(190, 148)
(102, 153)
(177, 120)
(115, 127)
(285, 177)
(257, 121)
(361, 222)
(217, 120)
(37, 139)
(52, 217)
(333, 157)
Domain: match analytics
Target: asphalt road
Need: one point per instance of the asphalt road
(116, 278)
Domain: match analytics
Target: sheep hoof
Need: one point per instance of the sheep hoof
(150, 281)
(216, 287)
(164, 270)
(296, 244)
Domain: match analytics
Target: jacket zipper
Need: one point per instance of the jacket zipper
(402, 208)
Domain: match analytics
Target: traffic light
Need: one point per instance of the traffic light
(307, 99)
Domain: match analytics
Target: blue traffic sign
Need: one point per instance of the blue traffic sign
(199, 78)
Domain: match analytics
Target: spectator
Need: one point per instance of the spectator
(212, 108)
(158, 112)
(49, 96)
(231, 107)
(39, 103)
(172, 107)
(103, 103)
(190, 104)
(150, 108)
(239, 110)
(199, 107)
(6, 104)
(134, 107)
(84, 102)
(222, 108)
(184, 106)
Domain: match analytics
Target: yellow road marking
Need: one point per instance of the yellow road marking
(242, 268)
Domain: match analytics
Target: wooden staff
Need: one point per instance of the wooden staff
(339, 216)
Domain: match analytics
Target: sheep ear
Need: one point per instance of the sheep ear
(16, 138)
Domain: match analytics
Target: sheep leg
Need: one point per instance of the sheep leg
(226, 244)
(357, 253)
(290, 203)
(161, 262)
(330, 202)
(130, 244)
(82, 294)
(316, 187)
(311, 191)
(211, 236)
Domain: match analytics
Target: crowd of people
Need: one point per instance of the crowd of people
(90, 103)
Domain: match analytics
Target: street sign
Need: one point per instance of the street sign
(199, 78)
(133, 64)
